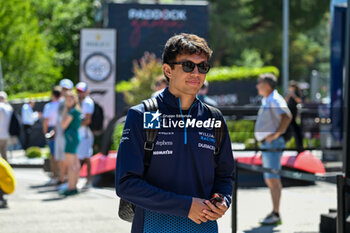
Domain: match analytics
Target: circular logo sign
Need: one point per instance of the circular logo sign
(97, 67)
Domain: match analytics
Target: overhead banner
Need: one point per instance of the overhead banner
(146, 27)
(98, 67)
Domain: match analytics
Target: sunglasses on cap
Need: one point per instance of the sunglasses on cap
(188, 66)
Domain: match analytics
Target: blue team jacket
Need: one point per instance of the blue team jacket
(182, 164)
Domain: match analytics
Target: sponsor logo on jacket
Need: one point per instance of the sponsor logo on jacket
(153, 120)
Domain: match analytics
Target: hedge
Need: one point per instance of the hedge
(222, 73)
(29, 95)
(238, 73)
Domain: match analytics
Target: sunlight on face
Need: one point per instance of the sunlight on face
(183, 82)
(70, 101)
(263, 88)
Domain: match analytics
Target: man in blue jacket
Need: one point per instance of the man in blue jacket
(173, 195)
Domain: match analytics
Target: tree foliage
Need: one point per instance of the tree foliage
(27, 61)
(241, 27)
(40, 41)
(61, 21)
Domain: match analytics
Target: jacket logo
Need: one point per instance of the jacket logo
(164, 143)
(164, 152)
(151, 120)
(206, 146)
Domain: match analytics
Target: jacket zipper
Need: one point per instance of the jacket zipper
(184, 118)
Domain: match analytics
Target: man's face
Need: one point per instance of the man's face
(183, 82)
(32, 104)
(263, 88)
(81, 95)
(291, 89)
(64, 91)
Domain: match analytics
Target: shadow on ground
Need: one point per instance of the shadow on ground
(50, 192)
(262, 229)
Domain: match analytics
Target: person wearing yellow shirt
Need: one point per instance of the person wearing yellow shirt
(7, 181)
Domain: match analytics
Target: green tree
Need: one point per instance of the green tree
(253, 26)
(229, 24)
(310, 50)
(27, 61)
(61, 21)
(321, 35)
(304, 51)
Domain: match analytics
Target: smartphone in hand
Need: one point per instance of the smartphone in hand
(217, 198)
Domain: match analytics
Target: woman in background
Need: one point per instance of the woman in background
(70, 123)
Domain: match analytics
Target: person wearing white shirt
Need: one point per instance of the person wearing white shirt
(49, 124)
(5, 118)
(85, 149)
(273, 120)
(29, 117)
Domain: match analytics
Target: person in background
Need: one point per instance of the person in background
(293, 98)
(160, 84)
(49, 124)
(7, 182)
(202, 95)
(273, 120)
(85, 149)
(66, 85)
(29, 117)
(5, 118)
(70, 124)
(3, 201)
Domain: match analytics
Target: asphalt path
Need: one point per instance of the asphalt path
(34, 207)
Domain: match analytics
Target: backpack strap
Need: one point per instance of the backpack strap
(218, 132)
(151, 105)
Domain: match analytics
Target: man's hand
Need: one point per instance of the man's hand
(196, 213)
(285, 120)
(215, 212)
(272, 137)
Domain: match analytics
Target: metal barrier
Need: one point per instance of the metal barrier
(343, 186)
(288, 174)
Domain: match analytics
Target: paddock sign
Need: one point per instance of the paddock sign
(147, 27)
(98, 67)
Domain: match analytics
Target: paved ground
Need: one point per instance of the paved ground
(301, 208)
(35, 208)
